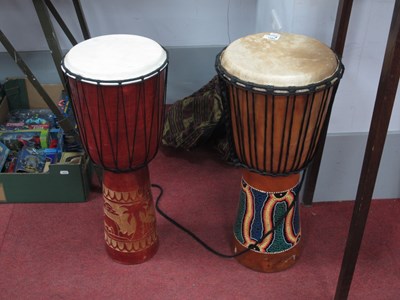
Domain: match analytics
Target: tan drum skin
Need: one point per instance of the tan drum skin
(283, 61)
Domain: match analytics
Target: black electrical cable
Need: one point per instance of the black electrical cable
(201, 242)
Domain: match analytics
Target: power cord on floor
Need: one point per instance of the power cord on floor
(201, 242)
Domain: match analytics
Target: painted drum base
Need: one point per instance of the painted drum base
(129, 217)
(267, 263)
(263, 208)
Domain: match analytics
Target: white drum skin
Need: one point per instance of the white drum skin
(115, 57)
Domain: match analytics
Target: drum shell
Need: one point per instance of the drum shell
(129, 216)
(276, 134)
(120, 125)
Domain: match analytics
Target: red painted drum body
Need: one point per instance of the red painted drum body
(279, 89)
(117, 84)
(120, 125)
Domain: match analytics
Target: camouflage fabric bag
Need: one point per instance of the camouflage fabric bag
(196, 119)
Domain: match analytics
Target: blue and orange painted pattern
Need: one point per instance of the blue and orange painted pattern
(258, 210)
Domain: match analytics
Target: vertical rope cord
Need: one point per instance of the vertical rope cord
(309, 105)
(308, 130)
(143, 102)
(255, 120)
(319, 123)
(288, 143)
(107, 122)
(265, 131)
(163, 77)
(239, 125)
(251, 163)
(83, 107)
(155, 100)
(283, 137)
(126, 118)
(137, 103)
(303, 116)
(272, 134)
(117, 132)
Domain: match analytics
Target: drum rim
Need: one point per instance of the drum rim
(94, 81)
(279, 90)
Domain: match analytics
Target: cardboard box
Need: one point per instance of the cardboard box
(64, 182)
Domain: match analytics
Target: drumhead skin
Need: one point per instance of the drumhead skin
(279, 59)
(115, 57)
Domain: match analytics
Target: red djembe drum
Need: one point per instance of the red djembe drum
(278, 91)
(117, 86)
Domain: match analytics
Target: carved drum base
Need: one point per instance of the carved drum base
(264, 200)
(129, 216)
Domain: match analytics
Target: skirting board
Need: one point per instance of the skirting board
(192, 67)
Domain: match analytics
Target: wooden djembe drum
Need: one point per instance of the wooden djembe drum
(117, 86)
(278, 91)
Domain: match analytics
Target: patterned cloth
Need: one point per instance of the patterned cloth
(197, 120)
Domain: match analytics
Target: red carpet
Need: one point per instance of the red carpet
(56, 251)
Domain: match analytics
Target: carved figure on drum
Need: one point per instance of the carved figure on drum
(122, 217)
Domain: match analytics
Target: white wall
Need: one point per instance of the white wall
(194, 23)
(171, 23)
(363, 53)
(363, 56)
